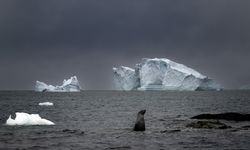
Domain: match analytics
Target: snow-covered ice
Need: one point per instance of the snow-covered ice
(70, 85)
(125, 78)
(46, 104)
(27, 119)
(162, 74)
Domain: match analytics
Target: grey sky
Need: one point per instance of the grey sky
(50, 40)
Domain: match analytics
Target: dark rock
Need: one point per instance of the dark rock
(65, 130)
(211, 124)
(162, 120)
(120, 147)
(245, 127)
(224, 116)
(170, 131)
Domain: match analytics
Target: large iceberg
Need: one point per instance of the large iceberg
(125, 78)
(161, 74)
(70, 85)
(27, 119)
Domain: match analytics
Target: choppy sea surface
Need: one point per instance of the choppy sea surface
(104, 120)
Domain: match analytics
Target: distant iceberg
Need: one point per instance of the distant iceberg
(245, 87)
(27, 119)
(161, 74)
(70, 85)
(46, 104)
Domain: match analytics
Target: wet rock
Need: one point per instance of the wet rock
(224, 116)
(247, 127)
(162, 120)
(208, 124)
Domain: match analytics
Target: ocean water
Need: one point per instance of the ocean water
(104, 120)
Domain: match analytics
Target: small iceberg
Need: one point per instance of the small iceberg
(70, 85)
(27, 119)
(245, 87)
(46, 104)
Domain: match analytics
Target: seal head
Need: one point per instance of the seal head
(140, 122)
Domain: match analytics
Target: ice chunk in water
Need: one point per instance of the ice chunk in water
(27, 119)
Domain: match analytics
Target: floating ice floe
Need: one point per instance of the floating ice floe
(27, 119)
(161, 74)
(70, 85)
(46, 104)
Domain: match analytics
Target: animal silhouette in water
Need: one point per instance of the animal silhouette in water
(140, 122)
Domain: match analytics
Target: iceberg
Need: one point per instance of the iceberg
(70, 85)
(245, 87)
(161, 74)
(27, 119)
(46, 104)
(125, 78)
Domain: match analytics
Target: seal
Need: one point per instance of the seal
(140, 123)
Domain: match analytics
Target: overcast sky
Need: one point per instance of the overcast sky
(50, 40)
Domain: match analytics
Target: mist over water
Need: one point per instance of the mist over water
(104, 120)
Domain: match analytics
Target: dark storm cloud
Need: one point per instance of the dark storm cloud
(52, 40)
